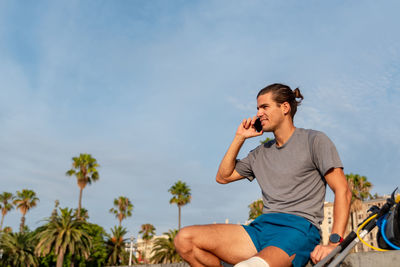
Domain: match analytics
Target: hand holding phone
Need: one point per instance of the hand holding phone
(250, 127)
(257, 125)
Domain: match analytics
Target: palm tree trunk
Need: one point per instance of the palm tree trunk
(60, 259)
(2, 220)
(21, 226)
(80, 202)
(73, 260)
(179, 223)
(145, 252)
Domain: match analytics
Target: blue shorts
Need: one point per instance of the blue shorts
(293, 234)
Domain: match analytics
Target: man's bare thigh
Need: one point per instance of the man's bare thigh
(229, 242)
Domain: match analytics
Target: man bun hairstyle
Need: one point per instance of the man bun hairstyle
(282, 93)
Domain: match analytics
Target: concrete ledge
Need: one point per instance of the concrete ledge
(180, 264)
(360, 259)
(372, 259)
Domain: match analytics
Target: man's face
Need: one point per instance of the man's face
(271, 114)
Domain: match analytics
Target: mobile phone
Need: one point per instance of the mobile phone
(257, 125)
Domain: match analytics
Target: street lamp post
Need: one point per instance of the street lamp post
(130, 251)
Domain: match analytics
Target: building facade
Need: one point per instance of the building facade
(355, 219)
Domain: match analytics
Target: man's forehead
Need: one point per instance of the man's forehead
(265, 99)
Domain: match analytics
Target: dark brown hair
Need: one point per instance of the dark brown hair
(282, 93)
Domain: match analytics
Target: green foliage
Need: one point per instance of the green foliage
(98, 251)
(266, 140)
(376, 196)
(164, 249)
(359, 186)
(147, 231)
(84, 214)
(64, 234)
(55, 213)
(24, 201)
(48, 260)
(115, 244)
(256, 209)
(122, 208)
(181, 193)
(97, 254)
(84, 168)
(5, 205)
(180, 196)
(18, 250)
(7, 229)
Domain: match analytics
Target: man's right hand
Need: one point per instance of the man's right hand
(246, 129)
(226, 171)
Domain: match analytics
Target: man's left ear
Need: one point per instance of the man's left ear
(285, 107)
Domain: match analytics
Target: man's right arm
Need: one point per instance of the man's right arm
(226, 171)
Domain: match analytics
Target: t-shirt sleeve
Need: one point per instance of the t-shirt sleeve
(244, 166)
(324, 153)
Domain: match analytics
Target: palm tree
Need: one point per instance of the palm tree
(181, 196)
(123, 208)
(266, 140)
(64, 234)
(359, 187)
(84, 214)
(147, 231)
(164, 249)
(256, 209)
(5, 205)
(7, 229)
(55, 213)
(116, 246)
(24, 201)
(84, 168)
(18, 250)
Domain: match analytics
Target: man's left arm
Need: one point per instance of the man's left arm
(341, 209)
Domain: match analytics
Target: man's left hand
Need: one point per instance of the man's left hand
(320, 252)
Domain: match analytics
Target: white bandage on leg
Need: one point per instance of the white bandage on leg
(253, 262)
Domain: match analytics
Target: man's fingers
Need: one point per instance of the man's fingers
(313, 254)
(247, 123)
(253, 120)
(246, 128)
(317, 254)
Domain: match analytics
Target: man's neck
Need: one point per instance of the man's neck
(283, 134)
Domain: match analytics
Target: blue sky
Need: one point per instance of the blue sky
(155, 90)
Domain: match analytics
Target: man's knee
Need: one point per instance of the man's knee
(183, 240)
(253, 262)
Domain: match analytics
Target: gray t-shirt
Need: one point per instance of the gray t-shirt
(291, 176)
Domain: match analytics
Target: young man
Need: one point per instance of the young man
(292, 171)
